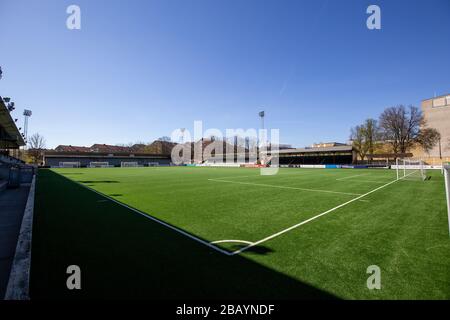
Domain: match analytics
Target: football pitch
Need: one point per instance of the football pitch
(203, 232)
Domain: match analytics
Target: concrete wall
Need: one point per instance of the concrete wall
(437, 115)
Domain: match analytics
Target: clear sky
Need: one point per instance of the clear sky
(137, 70)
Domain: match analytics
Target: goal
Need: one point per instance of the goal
(411, 169)
(446, 169)
(72, 164)
(153, 164)
(98, 164)
(129, 164)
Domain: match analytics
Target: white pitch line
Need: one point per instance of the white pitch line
(234, 177)
(225, 241)
(370, 181)
(152, 218)
(285, 187)
(313, 218)
(358, 175)
(260, 175)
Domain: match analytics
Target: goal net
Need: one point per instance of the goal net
(446, 169)
(411, 169)
(129, 164)
(69, 164)
(99, 164)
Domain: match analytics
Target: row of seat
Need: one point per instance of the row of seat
(7, 159)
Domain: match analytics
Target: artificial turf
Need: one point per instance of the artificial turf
(402, 228)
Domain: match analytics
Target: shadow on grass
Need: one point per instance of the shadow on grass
(261, 250)
(115, 195)
(125, 255)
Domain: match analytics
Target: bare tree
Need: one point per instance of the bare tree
(401, 126)
(428, 138)
(365, 137)
(36, 145)
(371, 133)
(357, 136)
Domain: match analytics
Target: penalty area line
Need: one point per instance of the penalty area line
(210, 245)
(315, 217)
(350, 177)
(285, 187)
(231, 241)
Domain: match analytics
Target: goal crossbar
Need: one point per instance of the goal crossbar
(98, 164)
(69, 164)
(410, 169)
(127, 164)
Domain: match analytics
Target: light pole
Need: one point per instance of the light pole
(260, 143)
(26, 114)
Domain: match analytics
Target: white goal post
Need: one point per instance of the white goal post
(444, 163)
(129, 164)
(153, 164)
(98, 164)
(410, 169)
(447, 191)
(69, 164)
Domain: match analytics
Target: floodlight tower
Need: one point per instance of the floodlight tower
(261, 116)
(26, 114)
(259, 142)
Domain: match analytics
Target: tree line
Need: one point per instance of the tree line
(399, 127)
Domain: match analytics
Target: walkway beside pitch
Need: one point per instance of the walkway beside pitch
(12, 205)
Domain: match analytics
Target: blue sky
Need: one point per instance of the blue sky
(137, 70)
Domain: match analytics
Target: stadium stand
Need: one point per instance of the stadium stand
(156, 153)
(55, 158)
(341, 154)
(10, 136)
(10, 139)
(13, 173)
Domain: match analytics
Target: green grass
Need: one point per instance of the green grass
(402, 228)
